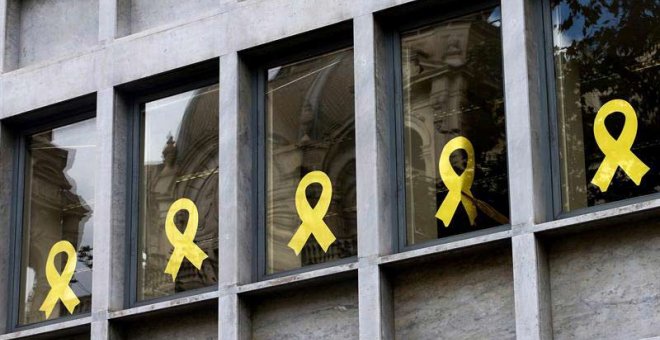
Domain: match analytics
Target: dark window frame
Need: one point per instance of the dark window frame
(549, 86)
(258, 61)
(394, 22)
(162, 89)
(40, 120)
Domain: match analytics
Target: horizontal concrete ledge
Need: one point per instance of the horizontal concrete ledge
(286, 281)
(447, 247)
(637, 209)
(165, 305)
(48, 328)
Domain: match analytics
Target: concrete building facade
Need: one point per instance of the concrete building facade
(590, 273)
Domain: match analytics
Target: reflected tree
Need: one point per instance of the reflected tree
(604, 50)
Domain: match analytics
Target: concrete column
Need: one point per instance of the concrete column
(9, 34)
(374, 185)
(236, 222)
(531, 287)
(109, 210)
(529, 164)
(107, 20)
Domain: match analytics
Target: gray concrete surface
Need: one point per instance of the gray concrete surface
(606, 283)
(461, 297)
(321, 312)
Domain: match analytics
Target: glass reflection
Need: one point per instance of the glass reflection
(605, 50)
(453, 86)
(58, 205)
(310, 125)
(180, 160)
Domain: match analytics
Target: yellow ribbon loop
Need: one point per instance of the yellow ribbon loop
(59, 282)
(184, 244)
(458, 186)
(312, 218)
(617, 151)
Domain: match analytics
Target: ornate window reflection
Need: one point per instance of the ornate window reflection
(179, 161)
(58, 206)
(310, 128)
(454, 141)
(606, 59)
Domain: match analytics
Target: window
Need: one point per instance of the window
(309, 137)
(58, 225)
(178, 193)
(606, 77)
(452, 140)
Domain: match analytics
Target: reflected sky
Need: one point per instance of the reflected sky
(577, 31)
(164, 120)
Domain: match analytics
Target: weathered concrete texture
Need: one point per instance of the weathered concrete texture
(53, 28)
(145, 14)
(322, 312)
(466, 297)
(605, 284)
(201, 324)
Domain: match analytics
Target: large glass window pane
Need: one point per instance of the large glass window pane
(57, 210)
(178, 227)
(454, 131)
(310, 133)
(606, 59)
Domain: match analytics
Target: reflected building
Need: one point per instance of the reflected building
(311, 127)
(189, 169)
(452, 86)
(54, 212)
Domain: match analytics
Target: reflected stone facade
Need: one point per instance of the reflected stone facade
(54, 212)
(311, 127)
(189, 169)
(452, 86)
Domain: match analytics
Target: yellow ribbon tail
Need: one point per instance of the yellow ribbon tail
(604, 175)
(299, 239)
(196, 256)
(49, 303)
(635, 168)
(325, 237)
(70, 300)
(448, 207)
(174, 264)
(470, 208)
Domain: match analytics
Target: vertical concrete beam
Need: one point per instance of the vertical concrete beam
(374, 185)
(529, 164)
(10, 38)
(107, 20)
(526, 113)
(3, 33)
(235, 190)
(109, 211)
(531, 287)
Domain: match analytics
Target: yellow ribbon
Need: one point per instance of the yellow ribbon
(458, 186)
(59, 283)
(184, 244)
(312, 218)
(617, 151)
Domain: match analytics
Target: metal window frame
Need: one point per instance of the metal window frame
(74, 111)
(307, 45)
(135, 155)
(395, 22)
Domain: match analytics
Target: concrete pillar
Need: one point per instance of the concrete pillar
(236, 227)
(374, 180)
(529, 163)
